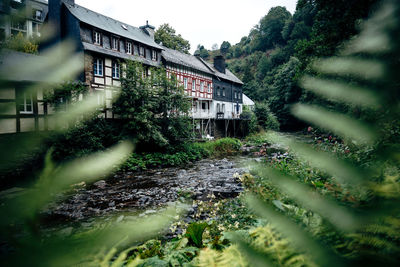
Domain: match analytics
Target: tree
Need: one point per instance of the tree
(202, 52)
(270, 28)
(166, 35)
(151, 106)
(214, 47)
(225, 46)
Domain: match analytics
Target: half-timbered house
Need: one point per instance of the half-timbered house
(104, 43)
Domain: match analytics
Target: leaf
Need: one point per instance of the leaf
(339, 124)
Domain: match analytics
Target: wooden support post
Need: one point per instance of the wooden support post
(234, 128)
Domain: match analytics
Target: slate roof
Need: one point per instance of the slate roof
(102, 50)
(22, 67)
(110, 25)
(186, 60)
(247, 101)
(226, 76)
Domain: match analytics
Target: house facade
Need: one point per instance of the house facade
(196, 79)
(28, 17)
(105, 43)
(22, 106)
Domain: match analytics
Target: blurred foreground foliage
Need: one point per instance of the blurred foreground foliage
(362, 228)
(23, 241)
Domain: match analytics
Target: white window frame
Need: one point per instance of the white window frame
(115, 43)
(154, 55)
(97, 38)
(26, 103)
(99, 66)
(116, 70)
(100, 98)
(185, 83)
(141, 51)
(209, 88)
(194, 85)
(201, 86)
(129, 48)
(38, 14)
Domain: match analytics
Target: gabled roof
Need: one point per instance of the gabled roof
(22, 67)
(186, 60)
(102, 50)
(226, 76)
(110, 25)
(247, 101)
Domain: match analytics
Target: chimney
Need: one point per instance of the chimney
(219, 63)
(55, 17)
(148, 29)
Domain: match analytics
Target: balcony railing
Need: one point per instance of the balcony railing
(220, 115)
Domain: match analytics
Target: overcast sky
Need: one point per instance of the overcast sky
(203, 22)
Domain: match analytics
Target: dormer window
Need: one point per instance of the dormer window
(97, 38)
(37, 14)
(141, 51)
(154, 55)
(115, 43)
(129, 48)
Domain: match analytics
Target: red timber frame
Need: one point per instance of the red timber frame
(182, 72)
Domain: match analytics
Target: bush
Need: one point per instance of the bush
(85, 138)
(265, 117)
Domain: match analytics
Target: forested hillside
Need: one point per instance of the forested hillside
(279, 49)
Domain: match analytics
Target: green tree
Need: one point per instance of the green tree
(282, 92)
(202, 52)
(151, 106)
(166, 35)
(225, 46)
(270, 28)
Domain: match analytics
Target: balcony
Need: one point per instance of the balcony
(220, 115)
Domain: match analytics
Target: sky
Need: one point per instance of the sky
(205, 22)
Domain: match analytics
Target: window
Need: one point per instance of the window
(223, 91)
(129, 48)
(209, 88)
(26, 104)
(37, 14)
(237, 107)
(201, 86)
(18, 26)
(218, 108)
(223, 108)
(194, 85)
(185, 83)
(204, 106)
(235, 97)
(35, 29)
(98, 67)
(154, 55)
(97, 38)
(115, 43)
(116, 70)
(217, 92)
(141, 51)
(100, 98)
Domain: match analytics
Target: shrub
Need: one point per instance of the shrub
(265, 117)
